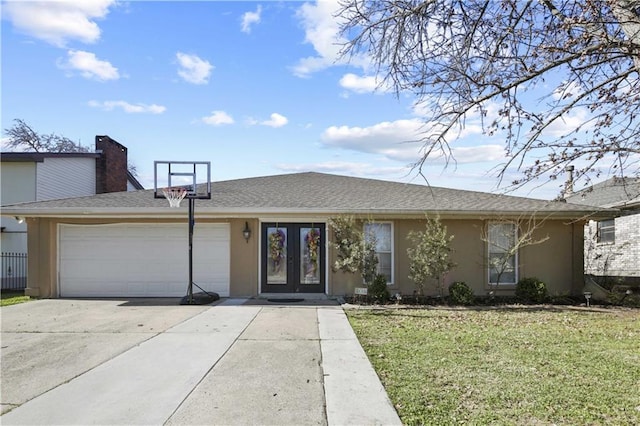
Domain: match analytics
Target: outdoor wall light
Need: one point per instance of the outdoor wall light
(246, 232)
(20, 219)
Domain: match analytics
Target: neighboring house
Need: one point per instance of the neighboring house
(130, 244)
(612, 246)
(40, 176)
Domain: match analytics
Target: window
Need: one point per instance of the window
(607, 231)
(502, 261)
(383, 233)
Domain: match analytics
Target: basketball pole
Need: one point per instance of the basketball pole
(191, 225)
(186, 172)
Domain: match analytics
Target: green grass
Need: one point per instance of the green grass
(506, 366)
(13, 298)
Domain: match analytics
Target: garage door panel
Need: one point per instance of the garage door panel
(141, 260)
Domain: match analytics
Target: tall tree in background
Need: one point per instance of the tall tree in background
(523, 66)
(21, 135)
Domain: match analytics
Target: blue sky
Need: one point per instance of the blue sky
(257, 88)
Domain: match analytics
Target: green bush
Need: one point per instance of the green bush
(460, 294)
(378, 289)
(531, 290)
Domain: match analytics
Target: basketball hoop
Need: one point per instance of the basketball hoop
(174, 195)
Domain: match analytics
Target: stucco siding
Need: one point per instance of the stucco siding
(553, 260)
(65, 178)
(550, 257)
(244, 259)
(42, 262)
(557, 261)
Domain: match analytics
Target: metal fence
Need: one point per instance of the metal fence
(14, 271)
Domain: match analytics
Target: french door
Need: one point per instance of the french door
(293, 258)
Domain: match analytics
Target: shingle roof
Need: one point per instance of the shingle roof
(307, 193)
(614, 192)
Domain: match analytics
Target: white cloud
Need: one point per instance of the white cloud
(397, 140)
(322, 31)
(218, 118)
(357, 84)
(400, 140)
(193, 69)
(128, 108)
(58, 22)
(478, 153)
(569, 122)
(276, 120)
(250, 18)
(89, 66)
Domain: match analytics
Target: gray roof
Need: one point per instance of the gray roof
(615, 192)
(38, 157)
(308, 193)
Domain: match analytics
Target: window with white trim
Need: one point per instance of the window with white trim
(607, 231)
(502, 261)
(383, 233)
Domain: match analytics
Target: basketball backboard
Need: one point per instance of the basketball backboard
(194, 176)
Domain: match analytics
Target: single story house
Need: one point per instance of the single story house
(267, 235)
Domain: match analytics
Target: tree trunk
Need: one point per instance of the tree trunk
(628, 14)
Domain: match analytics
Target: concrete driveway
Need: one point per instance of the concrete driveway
(152, 361)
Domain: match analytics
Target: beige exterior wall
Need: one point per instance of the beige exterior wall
(42, 263)
(244, 259)
(557, 261)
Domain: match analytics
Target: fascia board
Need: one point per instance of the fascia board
(278, 212)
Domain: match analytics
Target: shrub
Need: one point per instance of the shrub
(429, 254)
(460, 293)
(531, 290)
(378, 289)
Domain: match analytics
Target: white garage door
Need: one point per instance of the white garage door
(142, 260)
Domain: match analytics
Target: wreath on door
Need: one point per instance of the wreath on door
(313, 241)
(276, 245)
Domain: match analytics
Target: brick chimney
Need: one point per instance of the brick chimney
(111, 167)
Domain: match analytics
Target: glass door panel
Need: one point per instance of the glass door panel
(277, 255)
(293, 258)
(310, 255)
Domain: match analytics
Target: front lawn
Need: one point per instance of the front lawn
(506, 365)
(13, 297)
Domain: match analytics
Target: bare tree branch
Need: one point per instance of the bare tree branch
(579, 58)
(21, 135)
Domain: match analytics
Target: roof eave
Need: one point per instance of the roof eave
(149, 212)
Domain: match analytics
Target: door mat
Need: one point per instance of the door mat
(285, 300)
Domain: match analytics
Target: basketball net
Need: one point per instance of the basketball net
(174, 195)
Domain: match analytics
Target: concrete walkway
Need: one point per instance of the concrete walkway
(226, 364)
